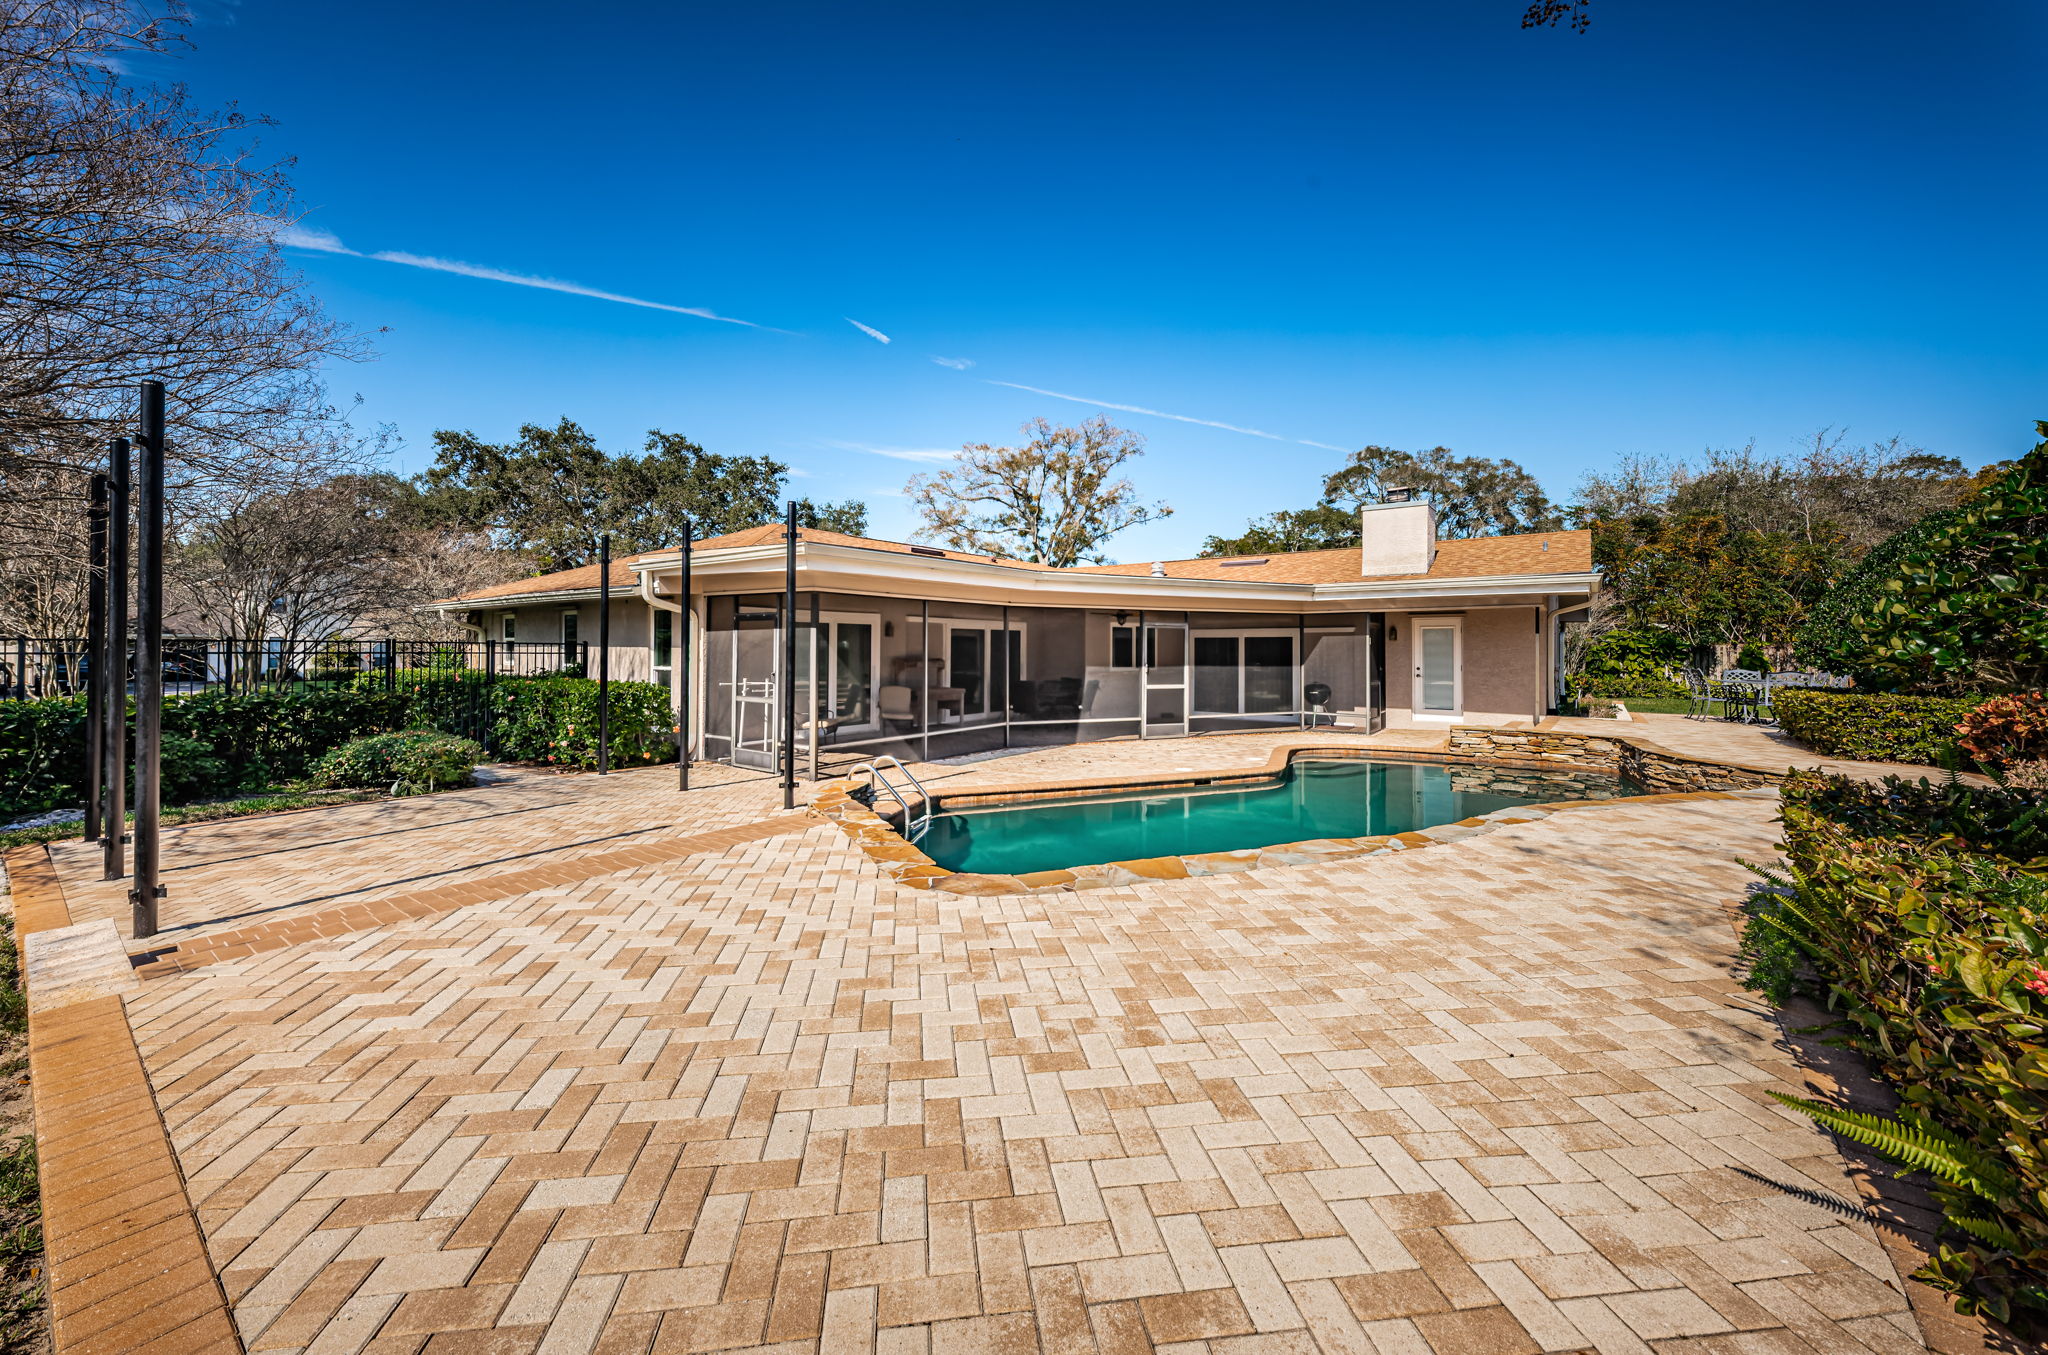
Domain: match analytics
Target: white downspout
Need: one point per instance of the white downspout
(1551, 616)
(476, 633)
(688, 692)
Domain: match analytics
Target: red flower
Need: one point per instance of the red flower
(2038, 984)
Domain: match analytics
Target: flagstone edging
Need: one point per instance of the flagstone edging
(905, 863)
(124, 1260)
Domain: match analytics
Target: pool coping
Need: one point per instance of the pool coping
(905, 863)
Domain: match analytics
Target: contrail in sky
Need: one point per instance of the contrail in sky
(324, 242)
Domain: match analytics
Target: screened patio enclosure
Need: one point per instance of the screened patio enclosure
(926, 680)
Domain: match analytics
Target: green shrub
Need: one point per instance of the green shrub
(1828, 639)
(1753, 658)
(42, 754)
(1872, 727)
(223, 743)
(1967, 607)
(1918, 913)
(416, 760)
(1630, 662)
(189, 769)
(554, 719)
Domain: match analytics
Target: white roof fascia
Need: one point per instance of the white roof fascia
(821, 560)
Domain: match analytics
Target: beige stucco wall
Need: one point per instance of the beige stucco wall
(631, 637)
(1503, 656)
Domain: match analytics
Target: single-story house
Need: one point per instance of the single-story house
(929, 653)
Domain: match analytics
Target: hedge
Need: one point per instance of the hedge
(1873, 727)
(1916, 913)
(1630, 662)
(412, 762)
(222, 743)
(1828, 639)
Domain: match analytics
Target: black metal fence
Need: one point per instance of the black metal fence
(31, 668)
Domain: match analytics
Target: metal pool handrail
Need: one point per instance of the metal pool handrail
(915, 825)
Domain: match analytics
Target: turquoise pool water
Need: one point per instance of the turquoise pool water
(1349, 798)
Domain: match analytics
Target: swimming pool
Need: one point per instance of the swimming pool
(1344, 798)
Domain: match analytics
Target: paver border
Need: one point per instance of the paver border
(902, 860)
(125, 1261)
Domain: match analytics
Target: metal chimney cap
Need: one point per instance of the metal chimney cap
(1400, 494)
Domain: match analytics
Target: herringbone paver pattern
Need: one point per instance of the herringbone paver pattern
(1498, 1096)
(238, 871)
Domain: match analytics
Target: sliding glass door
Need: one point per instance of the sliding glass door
(1245, 673)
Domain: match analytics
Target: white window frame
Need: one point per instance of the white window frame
(571, 616)
(1455, 625)
(654, 669)
(508, 626)
(1293, 638)
(827, 621)
(944, 651)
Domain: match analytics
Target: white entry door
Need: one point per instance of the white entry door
(1439, 669)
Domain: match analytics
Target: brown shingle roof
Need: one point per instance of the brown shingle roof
(584, 578)
(579, 580)
(1476, 558)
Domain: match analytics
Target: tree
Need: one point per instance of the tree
(1828, 639)
(1699, 581)
(1051, 500)
(299, 564)
(553, 492)
(1472, 495)
(1966, 608)
(137, 237)
(1323, 527)
(1741, 546)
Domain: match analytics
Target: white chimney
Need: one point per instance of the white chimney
(1399, 535)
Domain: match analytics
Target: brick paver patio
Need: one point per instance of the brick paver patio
(569, 1065)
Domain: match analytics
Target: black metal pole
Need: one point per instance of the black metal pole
(681, 668)
(149, 658)
(789, 659)
(114, 767)
(96, 659)
(604, 653)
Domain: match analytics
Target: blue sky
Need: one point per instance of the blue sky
(1694, 226)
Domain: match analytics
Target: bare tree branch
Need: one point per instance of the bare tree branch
(1050, 500)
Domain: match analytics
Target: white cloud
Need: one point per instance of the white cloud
(957, 364)
(326, 242)
(472, 270)
(1326, 446)
(1140, 409)
(868, 330)
(928, 456)
(312, 237)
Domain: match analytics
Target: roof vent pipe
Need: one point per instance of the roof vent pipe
(1158, 569)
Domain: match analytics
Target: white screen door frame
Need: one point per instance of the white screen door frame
(1166, 682)
(1431, 656)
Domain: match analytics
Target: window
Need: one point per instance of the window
(508, 626)
(1244, 673)
(663, 661)
(978, 657)
(1123, 646)
(569, 620)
